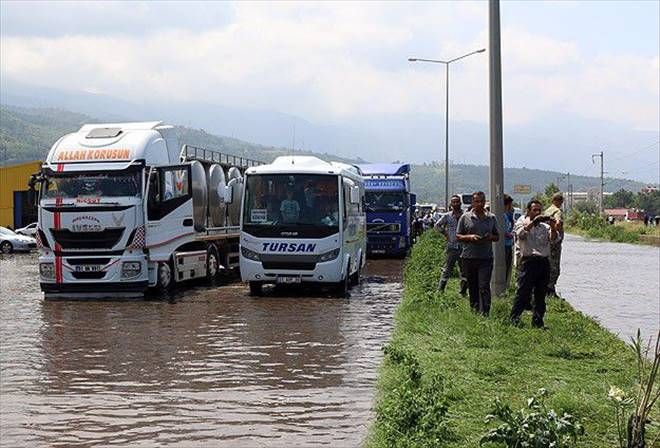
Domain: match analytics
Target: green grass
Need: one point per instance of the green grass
(445, 365)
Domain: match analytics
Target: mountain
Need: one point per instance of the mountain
(28, 134)
(556, 142)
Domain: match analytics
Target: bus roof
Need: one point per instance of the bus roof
(305, 165)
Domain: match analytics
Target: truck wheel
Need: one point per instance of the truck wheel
(165, 276)
(6, 247)
(255, 289)
(211, 264)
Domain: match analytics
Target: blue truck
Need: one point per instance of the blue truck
(390, 208)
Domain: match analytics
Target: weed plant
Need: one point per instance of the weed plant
(445, 365)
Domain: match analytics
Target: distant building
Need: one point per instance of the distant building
(649, 189)
(591, 195)
(15, 208)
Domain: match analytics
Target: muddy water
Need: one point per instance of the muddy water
(618, 284)
(214, 367)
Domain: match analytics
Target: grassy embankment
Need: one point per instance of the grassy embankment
(593, 226)
(445, 365)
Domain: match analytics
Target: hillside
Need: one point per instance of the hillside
(28, 133)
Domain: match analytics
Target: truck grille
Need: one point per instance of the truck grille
(105, 239)
(379, 227)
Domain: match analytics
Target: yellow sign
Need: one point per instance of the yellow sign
(522, 189)
(74, 155)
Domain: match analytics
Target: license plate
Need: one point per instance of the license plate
(88, 268)
(288, 279)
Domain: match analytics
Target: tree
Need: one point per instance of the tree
(620, 199)
(550, 190)
(649, 202)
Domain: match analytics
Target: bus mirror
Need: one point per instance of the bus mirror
(355, 195)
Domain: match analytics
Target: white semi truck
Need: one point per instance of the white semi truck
(303, 221)
(122, 208)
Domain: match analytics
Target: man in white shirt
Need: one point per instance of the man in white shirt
(534, 233)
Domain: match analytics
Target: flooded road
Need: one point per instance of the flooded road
(618, 284)
(213, 368)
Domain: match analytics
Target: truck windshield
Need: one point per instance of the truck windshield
(385, 201)
(98, 185)
(291, 203)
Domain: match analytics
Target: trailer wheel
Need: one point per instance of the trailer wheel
(255, 289)
(211, 264)
(6, 247)
(165, 280)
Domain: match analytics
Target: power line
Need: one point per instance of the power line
(637, 151)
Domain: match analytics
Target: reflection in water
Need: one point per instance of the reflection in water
(215, 365)
(618, 284)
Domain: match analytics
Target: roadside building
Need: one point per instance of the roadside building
(15, 207)
(619, 214)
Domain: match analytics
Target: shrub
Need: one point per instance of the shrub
(535, 427)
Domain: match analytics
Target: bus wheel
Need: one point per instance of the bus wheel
(165, 276)
(211, 264)
(343, 286)
(255, 289)
(355, 278)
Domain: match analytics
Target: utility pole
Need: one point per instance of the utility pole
(602, 180)
(498, 282)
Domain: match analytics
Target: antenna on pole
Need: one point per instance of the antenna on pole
(293, 142)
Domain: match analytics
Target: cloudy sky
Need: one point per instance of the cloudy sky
(341, 62)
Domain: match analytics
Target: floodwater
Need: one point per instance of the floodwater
(618, 284)
(213, 367)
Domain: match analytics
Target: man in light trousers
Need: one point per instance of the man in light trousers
(554, 211)
(447, 226)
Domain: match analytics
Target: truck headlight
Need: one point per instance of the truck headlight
(328, 256)
(250, 254)
(47, 271)
(130, 269)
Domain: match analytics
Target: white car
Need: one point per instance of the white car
(10, 242)
(29, 230)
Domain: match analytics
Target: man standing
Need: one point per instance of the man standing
(534, 237)
(447, 226)
(476, 230)
(554, 211)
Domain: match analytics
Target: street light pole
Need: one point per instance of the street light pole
(447, 138)
(446, 63)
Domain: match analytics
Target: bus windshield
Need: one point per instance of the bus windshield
(96, 185)
(291, 203)
(385, 201)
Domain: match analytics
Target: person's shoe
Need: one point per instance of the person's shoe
(539, 325)
(516, 322)
(441, 286)
(551, 292)
(464, 290)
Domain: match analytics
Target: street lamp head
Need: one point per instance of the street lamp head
(412, 59)
(481, 51)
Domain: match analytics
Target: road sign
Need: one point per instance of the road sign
(522, 189)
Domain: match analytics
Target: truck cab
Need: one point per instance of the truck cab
(389, 205)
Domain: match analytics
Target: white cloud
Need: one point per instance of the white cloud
(335, 61)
